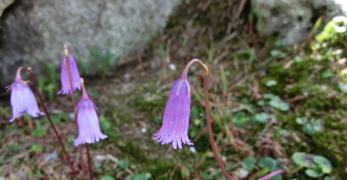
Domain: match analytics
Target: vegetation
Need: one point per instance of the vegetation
(273, 107)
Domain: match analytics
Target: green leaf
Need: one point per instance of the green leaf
(142, 176)
(313, 127)
(313, 173)
(303, 159)
(269, 96)
(205, 175)
(301, 120)
(105, 123)
(107, 178)
(123, 164)
(327, 74)
(323, 163)
(278, 103)
(271, 83)
(278, 53)
(262, 172)
(317, 126)
(249, 163)
(36, 148)
(262, 117)
(240, 118)
(268, 162)
(39, 131)
(13, 148)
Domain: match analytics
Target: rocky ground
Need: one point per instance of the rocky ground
(272, 107)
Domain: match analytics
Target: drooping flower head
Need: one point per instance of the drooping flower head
(69, 70)
(22, 98)
(87, 121)
(176, 115)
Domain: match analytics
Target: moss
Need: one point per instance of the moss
(134, 152)
(333, 144)
(161, 169)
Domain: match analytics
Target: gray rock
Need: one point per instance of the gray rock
(292, 20)
(33, 32)
(49, 157)
(4, 4)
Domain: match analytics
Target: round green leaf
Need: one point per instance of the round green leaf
(323, 163)
(271, 83)
(262, 117)
(278, 103)
(249, 163)
(301, 120)
(313, 173)
(268, 162)
(278, 53)
(313, 127)
(303, 159)
(240, 119)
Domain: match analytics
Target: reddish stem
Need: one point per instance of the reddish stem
(90, 168)
(80, 149)
(208, 117)
(210, 132)
(42, 102)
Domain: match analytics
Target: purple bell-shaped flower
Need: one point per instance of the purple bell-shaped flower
(88, 122)
(22, 99)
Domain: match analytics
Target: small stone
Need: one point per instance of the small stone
(192, 149)
(49, 157)
(172, 67)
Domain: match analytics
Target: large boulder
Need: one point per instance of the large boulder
(292, 20)
(4, 4)
(33, 32)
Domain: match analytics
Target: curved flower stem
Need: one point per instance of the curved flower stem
(66, 61)
(42, 102)
(208, 117)
(90, 168)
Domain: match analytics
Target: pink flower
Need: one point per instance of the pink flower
(68, 63)
(175, 124)
(88, 121)
(22, 99)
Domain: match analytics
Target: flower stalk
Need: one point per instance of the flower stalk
(90, 167)
(71, 93)
(44, 107)
(208, 116)
(89, 131)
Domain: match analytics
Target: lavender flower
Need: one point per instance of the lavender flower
(175, 124)
(88, 121)
(22, 99)
(68, 63)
